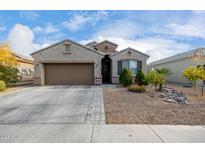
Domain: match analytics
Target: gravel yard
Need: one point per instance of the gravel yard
(124, 107)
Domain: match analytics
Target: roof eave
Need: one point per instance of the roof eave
(132, 50)
(65, 41)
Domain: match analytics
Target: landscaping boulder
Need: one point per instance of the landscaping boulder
(171, 95)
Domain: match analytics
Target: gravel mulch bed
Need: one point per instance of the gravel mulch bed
(124, 107)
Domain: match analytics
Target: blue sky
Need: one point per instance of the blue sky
(157, 33)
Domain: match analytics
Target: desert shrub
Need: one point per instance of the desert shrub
(126, 77)
(141, 79)
(137, 89)
(2, 85)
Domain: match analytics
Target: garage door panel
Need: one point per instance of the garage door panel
(69, 74)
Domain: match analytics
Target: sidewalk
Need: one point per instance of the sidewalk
(101, 133)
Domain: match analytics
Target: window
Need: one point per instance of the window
(133, 66)
(129, 64)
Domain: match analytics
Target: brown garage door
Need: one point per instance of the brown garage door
(69, 74)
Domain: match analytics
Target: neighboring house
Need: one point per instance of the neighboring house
(70, 63)
(176, 64)
(25, 67)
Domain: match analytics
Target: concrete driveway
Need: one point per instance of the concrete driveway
(53, 105)
(76, 114)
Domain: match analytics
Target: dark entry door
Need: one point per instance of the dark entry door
(106, 69)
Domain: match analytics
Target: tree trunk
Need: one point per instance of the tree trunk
(160, 87)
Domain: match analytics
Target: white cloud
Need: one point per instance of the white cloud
(78, 21)
(51, 29)
(193, 27)
(37, 46)
(20, 39)
(157, 48)
(121, 28)
(47, 29)
(38, 29)
(30, 15)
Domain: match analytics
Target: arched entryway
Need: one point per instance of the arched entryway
(106, 69)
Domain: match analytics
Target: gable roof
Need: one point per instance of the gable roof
(106, 41)
(93, 43)
(23, 57)
(98, 52)
(178, 56)
(127, 49)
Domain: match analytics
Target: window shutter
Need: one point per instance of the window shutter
(119, 67)
(139, 65)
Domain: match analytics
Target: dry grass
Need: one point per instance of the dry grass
(124, 107)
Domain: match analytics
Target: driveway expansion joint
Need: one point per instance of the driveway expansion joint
(156, 134)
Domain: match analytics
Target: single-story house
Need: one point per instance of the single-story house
(25, 67)
(71, 63)
(178, 63)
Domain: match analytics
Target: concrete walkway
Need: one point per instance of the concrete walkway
(85, 133)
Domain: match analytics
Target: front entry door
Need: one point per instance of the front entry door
(106, 69)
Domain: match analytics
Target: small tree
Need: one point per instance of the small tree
(141, 79)
(8, 65)
(192, 74)
(126, 77)
(6, 56)
(152, 78)
(201, 73)
(157, 79)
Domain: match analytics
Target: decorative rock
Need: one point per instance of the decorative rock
(171, 95)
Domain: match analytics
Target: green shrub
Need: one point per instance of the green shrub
(2, 85)
(146, 81)
(8, 74)
(141, 79)
(126, 77)
(137, 89)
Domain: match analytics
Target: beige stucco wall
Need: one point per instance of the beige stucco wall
(56, 54)
(26, 66)
(111, 48)
(177, 67)
(123, 56)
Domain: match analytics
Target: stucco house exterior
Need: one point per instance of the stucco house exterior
(71, 63)
(177, 63)
(25, 67)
